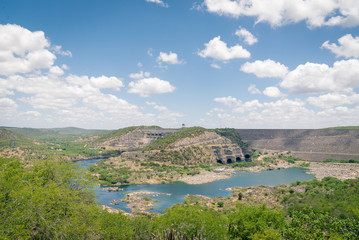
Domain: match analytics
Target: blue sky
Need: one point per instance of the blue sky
(211, 63)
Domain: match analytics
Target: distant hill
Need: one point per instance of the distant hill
(344, 127)
(12, 139)
(43, 133)
(121, 132)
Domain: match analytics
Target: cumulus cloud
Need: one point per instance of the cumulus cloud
(246, 36)
(217, 49)
(228, 101)
(7, 107)
(159, 2)
(22, 51)
(66, 99)
(140, 75)
(265, 69)
(273, 92)
(164, 113)
(252, 89)
(331, 100)
(248, 106)
(106, 82)
(280, 12)
(96, 82)
(148, 86)
(58, 49)
(348, 46)
(169, 58)
(111, 104)
(319, 78)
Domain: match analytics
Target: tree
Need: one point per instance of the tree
(46, 200)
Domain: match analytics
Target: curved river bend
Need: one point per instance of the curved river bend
(178, 190)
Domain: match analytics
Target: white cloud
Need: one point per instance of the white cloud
(5, 92)
(214, 110)
(149, 86)
(32, 113)
(164, 113)
(7, 107)
(247, 36)
(66, 100)
(170, 58)
(315, 13)
(318, 78)
(57, 49)
(216, 66)
(109, 103)
(56, 70)
(348, 46)
(159, 2)
(248, 106)
(218, 50)
(140, 75)
(22, 51)
(252, 89)
(265, 69)
(157, 107)
(331, 100)
(228, 101)
(273, 92)
(95, 82)
(106, 82)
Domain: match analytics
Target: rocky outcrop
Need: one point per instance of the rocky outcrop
(207, 138)
(139, 138)
(228, 153)
(208, 145)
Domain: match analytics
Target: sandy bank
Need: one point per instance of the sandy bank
(206, 177)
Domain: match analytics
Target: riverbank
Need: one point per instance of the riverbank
(219, 173)
(341, 171)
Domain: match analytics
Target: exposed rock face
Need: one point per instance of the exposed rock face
(208, 138)
(212, 146)
(137, 139)
(312, 144)
(228, 153)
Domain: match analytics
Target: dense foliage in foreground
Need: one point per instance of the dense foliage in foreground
(52, 200)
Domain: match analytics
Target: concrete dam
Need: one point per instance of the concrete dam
(307, 144)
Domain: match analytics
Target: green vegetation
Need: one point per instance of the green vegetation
(46, 133)
(168, 139)
(341, 160)
(344, 127)
(122, 131)
(231, 135)
(52, 200)
(65, 143)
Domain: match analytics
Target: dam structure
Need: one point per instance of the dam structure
(307, 144)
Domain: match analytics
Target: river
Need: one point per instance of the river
(178, 190)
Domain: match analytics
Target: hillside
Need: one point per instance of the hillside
(9, 139)
(49, 143)
(132, 138)
(172, 157)
(44, 134)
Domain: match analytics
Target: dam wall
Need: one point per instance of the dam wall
(308, 144)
